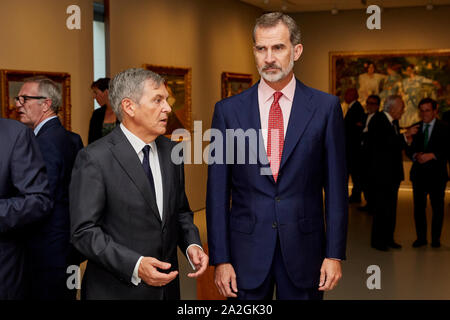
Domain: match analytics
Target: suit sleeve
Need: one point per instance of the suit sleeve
(87, 207)
(336, 190)
(218, 193)
(188, 232)
(28, 177)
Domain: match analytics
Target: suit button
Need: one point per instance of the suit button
(277, 199)
(274, 225)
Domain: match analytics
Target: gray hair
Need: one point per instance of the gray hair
(390, 101)
(272, 19)
(49, 89)
(130, 84)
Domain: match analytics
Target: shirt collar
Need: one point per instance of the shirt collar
(267, 92)
(136, 143)
(40, 125)
(389, 116)
(430, 124)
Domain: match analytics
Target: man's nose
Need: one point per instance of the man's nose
(269, 58)
(167, 108)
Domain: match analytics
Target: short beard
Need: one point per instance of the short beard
(275, 77)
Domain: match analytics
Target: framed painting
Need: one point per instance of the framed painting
(11, 81)
(411, 74)
(178, 83)
(234, 83)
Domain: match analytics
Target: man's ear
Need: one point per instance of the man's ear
(298, 49)
(46, 105)
(128, 107)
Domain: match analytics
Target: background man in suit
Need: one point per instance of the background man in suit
(372, 107)
(354, 125)
(24, 199)
(274, 232)
(385, 144)
(49, 248)
(429, 151)
(128, 204)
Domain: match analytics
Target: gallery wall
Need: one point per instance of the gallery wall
(34, 37)
(209, 36)
(401, 29)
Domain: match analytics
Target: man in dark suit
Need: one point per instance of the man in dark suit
(128, 204)
(24, 199)
(385, 145)
(273, 231)
(354, 125)
(49, 248)
(429, 151)
(372, 107)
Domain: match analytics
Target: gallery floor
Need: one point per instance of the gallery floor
(407, 273)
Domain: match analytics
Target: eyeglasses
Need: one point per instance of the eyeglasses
(23, 99)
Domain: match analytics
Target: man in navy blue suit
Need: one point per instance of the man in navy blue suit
(49, 248)
(275, 231)
(24, 199)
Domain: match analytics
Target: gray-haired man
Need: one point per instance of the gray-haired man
(128, 204)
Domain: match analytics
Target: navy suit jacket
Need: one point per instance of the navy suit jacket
(244, 232)
(50, 238)
(24, 199)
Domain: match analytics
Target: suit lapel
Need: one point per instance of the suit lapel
(164, 152)
(124, 153)
(301, 114)
(248, 116)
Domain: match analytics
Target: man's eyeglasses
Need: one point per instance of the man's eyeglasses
(23, 99)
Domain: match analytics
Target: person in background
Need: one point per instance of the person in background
(372, 106)
(429, 151)
(103, 120)
(49, 248)
(354, 125)
(385, 145)
(24, 199)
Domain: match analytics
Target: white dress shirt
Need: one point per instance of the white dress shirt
(138, 145)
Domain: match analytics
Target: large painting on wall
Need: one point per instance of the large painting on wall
(178, 83)
(11, 81)
(412, 74)
(234, 83)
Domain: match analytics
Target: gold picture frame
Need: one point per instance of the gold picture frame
(178, 82)
(11, 82)
(413, 74)
(234, 83)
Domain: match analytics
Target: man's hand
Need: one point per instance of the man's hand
(199, 259)
(424, 157)
(225, 280)
(149, 273)
(410, 132)
(330, 274)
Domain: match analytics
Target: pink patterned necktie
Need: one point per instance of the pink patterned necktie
(275, 138)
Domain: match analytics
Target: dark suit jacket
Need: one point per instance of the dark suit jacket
(115, 219)
(245, 233)
(354, 124)
(384, 152)
(24, 199)
(96, 124)
(49, 243)
(434, 171)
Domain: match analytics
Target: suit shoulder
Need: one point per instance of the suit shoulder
(321, 95)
